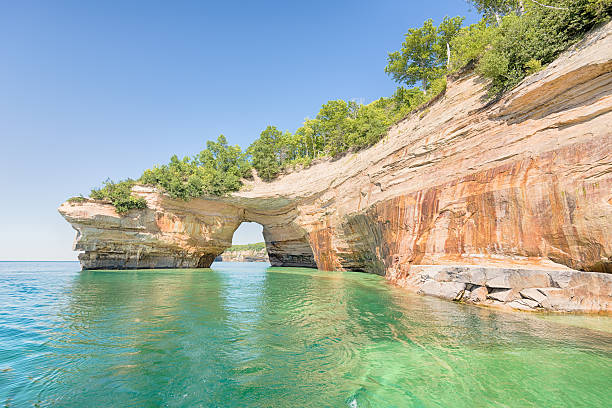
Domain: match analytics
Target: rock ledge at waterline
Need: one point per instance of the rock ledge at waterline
(506, 203)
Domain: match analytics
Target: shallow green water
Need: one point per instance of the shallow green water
(244, 335)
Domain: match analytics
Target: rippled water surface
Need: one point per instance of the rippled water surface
(246, 335)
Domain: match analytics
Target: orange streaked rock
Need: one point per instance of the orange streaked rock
(522, 185)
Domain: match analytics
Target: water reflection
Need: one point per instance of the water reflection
(243, 335)
(138, 334)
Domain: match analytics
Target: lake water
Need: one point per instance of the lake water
(242, 335)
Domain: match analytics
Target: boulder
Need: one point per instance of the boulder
(504, 295)
(478, 294)
(445, 290)
(521, 305)
(533, 294)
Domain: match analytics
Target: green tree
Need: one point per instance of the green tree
(264, 153)
(424, 53)
(523, 43)
(471, 42)
(336, 123)
(371, 123)
(311, 136)
(119, 194)
(216, 170)
(287, 148)
(498, 8)
(227, 165)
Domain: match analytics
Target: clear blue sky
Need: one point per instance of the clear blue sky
(90, 90)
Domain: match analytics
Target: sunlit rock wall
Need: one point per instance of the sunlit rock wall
(244, 255)
(173, 233)
(517, 186)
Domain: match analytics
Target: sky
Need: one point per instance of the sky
(97, 90)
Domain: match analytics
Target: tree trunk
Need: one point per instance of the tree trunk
(521, 9)
(448, 55)
(498, 19)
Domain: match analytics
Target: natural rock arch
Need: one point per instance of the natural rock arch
(286, 242)
(460, 196)
(173, 233)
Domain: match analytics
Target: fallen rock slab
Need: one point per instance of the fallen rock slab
(533, 294)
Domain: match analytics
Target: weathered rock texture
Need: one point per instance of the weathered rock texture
(177, 234)
(514, 287)
(244, 255)
(519, 189)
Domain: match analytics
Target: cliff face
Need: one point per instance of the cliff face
(177, 234)
(464, 199)
(244, 255)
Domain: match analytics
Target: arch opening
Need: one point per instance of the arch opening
(284, 243)
(248, 232)
(248, 244)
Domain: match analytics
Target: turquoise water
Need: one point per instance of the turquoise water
(243, 335)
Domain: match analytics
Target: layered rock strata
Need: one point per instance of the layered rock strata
(244, 255)
(515, 188)
(563, 290)
(173, 233)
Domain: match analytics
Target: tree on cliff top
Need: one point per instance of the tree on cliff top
(498, 8)
(265, 152)
(529, 35)
(216, 170)
(526, 41)
(424, 53)
(119, 194)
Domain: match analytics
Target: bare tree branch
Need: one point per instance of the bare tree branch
(550, 7)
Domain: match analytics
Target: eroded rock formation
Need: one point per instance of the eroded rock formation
(177, 234)
(244, 255)
(464, 199)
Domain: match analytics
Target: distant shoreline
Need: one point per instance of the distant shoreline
(40, 261)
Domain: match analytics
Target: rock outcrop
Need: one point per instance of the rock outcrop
(173, 233)
(244, 255)
(496, 203)
(514, 287)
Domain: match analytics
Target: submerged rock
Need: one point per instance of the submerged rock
(446, 290)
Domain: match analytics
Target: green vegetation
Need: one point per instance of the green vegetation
(496, 8)
(534, 35)
(269, 152)
(247, 247)
(470, 43)
(425, 53)
(514, 39)
(338, 127)
(216, 170)
(77, 199)
(119, 194)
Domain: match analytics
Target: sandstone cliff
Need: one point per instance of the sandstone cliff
(464, 199)
(244, 255)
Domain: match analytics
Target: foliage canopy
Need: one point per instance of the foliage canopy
(424, 52)
(216, 170)
(514, 39)
(258, 246)
(119, 194)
